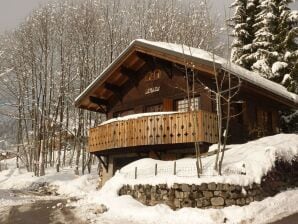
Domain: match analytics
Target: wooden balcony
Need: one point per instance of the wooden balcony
(155, 130)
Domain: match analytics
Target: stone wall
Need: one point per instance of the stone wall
(216, 195)
(200, 196)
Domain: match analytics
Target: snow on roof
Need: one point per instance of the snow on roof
(239, 71)
(199, 56)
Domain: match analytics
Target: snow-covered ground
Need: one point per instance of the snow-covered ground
(257, 156)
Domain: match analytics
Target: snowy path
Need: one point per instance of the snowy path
(38, 212)
(23, 207)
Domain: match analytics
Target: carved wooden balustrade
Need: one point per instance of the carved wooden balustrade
(182, 127)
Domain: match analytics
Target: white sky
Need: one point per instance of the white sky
(13, 12)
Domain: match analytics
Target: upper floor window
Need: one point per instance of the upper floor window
(154, 108)
(183, 106)
(123, 113)
(154, 75)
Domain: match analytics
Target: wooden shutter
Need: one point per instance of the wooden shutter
(168, 105)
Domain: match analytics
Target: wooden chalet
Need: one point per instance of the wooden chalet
(144, 96)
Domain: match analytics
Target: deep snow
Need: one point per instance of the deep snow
(258, 157)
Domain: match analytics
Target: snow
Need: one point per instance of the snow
(196, 55)
(66, 181)
(286, 78)
(135, 116)
(278, 66)
(254, 159)
(258, 157)
(126, 208)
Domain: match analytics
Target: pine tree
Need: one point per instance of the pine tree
(276, 55)
(243, 31)
(265, 34)
(290, 46)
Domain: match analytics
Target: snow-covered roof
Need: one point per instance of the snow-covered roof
(197, 56)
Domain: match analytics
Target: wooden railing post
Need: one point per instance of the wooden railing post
(136, 172)
(175, 167)
(155, 169)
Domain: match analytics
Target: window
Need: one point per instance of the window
(182, 105)
(154, 75)
(123, 113)
(154, 108)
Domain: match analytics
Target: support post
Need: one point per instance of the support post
(136, 172)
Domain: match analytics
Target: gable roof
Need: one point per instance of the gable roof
(197, 56)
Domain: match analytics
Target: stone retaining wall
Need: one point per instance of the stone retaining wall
(216, 195)
(200, 196)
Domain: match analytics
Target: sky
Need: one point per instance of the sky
(13, 12)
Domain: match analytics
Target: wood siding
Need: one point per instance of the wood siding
(154, 130)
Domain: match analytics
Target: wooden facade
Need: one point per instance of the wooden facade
(153, 77)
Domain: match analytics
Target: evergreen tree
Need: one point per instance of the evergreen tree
(276, 50)
(265, 34)
(290, 46)
(243, 31)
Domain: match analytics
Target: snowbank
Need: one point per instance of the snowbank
(258, 156)
(67, 183)
(253, 160)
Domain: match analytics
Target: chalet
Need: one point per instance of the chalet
(159, 100)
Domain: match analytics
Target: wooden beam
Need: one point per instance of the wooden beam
(115, 89)
(155, 62)
(98, 101)
(105, 165)
(131, 74)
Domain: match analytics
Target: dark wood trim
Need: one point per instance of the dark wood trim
(117, 90)
(105, 165)
(98, 101)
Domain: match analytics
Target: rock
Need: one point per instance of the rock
(217, 201)
(206, 202)
(218, 207)
(217, 193)
(193, 187)
(177, 203)
(240, 201)
(186, 194)
(229, 202)
(222, 194)
(207, 194)
(248, 200)
(163, 186)
(203, 187)
(238, 188)
(232, 188)
(186, 203)
(185, 187)
(175, 186)
(226, 187)
(234, 195)
(212, 186)
(101, 209)
(219, 187)
(258, 198)
(195, 195)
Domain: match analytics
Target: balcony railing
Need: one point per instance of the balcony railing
(185, 127)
